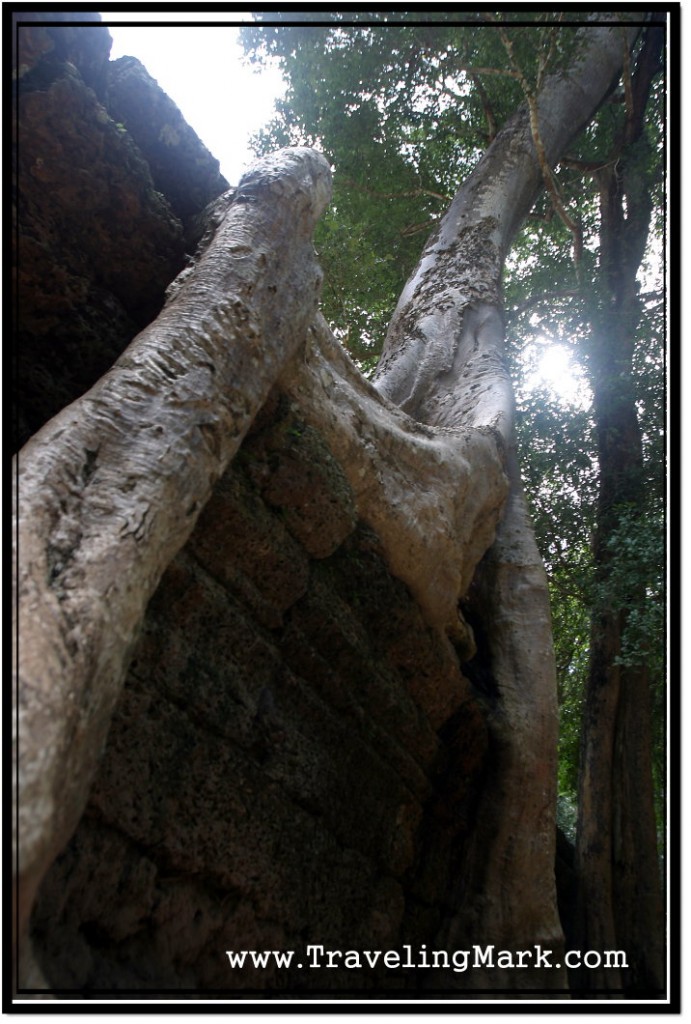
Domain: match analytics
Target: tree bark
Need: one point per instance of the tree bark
(443, 362)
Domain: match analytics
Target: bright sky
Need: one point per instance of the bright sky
(202, 71)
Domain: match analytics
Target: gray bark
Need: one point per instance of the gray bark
(443, 362)
(442, 359)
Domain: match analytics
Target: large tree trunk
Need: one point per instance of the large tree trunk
(443, 362)
(620, 900)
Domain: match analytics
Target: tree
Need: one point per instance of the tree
(100, 487)
(443, 326)
(588, 286)
(617, 858)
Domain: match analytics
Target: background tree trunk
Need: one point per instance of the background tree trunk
(616, 852)
(620, 900)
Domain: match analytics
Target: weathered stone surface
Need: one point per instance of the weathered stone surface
(271, 777)
(98, 239)
(297, 473)
(181, 166)
(49, 47)
(250, 551)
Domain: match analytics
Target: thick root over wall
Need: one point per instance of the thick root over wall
(130, 491)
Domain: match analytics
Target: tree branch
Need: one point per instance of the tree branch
(410, 194)
(487, 108)
(472, 69)
(586, 166)
(416, 229)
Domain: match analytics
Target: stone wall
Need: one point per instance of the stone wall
(276, 773)
(101, 225)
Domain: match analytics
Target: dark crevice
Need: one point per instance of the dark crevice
(479, 668)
